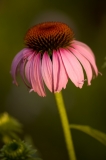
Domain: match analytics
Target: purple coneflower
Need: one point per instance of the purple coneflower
(51, 56)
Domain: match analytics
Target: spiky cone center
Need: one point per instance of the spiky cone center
(49, 36)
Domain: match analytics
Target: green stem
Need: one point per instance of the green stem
(65, 125)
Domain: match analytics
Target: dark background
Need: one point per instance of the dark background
(86, 106)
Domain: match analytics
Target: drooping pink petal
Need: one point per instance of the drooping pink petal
(63, 75)
(87, 53)
(28, 68)
(47, 71)
(22, 71)
(37, 84)
(73, 67)
(85, 63)
(16, 61)
(70, 72)
(25, 70)
(31, 71)
(55, 70)
(84, 45)
(60, 77)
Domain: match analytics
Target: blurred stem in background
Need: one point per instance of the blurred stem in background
(65, 125)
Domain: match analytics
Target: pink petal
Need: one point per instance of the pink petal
(28, 68)
(85, 64)
(73, 67)
(47, 71)
(32, 77)
(37, 83)
(22, 71)
(16, 61)
(70, 72)
(55, 70)
(85, 46)
(86, 52)
(63, 77)
(25, 70)
(60, 78)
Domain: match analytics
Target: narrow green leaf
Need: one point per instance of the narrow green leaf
(98, 135)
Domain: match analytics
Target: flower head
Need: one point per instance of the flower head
(52, 56)
(17, 150)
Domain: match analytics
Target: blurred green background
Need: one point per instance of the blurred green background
(86, 106)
